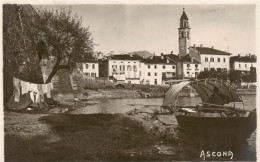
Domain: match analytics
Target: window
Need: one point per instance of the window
(114, 67)
(173, 67)
(219, 70)
(245, 65)
(148, 66)
(188, 65)
(140, 73)
(212, 59)
(206, 59)
(155, 74)
(122, 67)
(93, 66)
(134, 67)
(155, 81)
(188, 72)
(87, 74)
(239, 65)
(218, 59)
(196, 66)
(86, 66)
(206, 69)
(149, 74)
(155, 66)
(163, 66)
(128, 67)
(182, 34)
(164, 75)
(224, 59)
(251, 65)
(93, 74)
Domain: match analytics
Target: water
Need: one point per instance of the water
(190, 149)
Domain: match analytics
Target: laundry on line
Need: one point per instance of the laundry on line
(36, 91)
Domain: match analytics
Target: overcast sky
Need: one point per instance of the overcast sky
(155, 27)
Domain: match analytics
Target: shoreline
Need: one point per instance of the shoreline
(93, 133)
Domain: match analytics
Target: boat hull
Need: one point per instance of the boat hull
(235, 128)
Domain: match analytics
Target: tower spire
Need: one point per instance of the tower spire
(184, 34)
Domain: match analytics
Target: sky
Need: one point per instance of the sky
(154, 27)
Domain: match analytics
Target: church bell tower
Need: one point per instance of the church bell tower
(184, 35)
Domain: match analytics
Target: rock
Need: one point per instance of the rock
(25, 101)
(63, 110)
(55, 110)
(144, 110)
(58, 110)
(167, 119)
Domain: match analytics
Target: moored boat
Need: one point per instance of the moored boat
(220, 115)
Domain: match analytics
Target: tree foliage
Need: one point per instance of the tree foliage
(213, 74)
(66, 37)
(235, 76)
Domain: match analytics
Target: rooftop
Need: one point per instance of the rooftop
(158, 60)
(189, 59)
(210, 51)
(184, 16)
(248, 58)
(126, 57)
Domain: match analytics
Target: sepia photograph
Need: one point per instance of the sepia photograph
(118, 81)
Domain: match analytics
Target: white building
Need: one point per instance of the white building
(91, 69)
(125, 68)
(191, 67)
(212, 58)
(243, 63)
(136, 70)
(157, 69)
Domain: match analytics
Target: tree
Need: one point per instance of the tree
(235, 76)
(67, 39)
(253, 74)
(203, 74)
(213, 74)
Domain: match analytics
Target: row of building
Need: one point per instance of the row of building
(157, 70)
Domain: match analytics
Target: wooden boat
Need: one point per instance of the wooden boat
(211, 120)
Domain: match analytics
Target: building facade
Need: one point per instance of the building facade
(125, 68)
(191, 67)
(212, 59)
(157, 69)
(90, 69)
(243, 63)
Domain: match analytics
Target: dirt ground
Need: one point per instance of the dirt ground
(67, 137)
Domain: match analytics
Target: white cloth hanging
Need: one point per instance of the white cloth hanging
(17, 86)
(34, 92)
(25, 87)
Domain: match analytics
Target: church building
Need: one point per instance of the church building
(208, 57)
